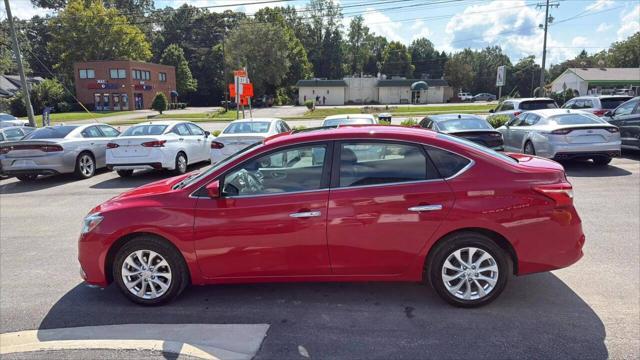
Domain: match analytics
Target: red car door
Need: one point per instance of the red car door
(271, 218)
(385, 203)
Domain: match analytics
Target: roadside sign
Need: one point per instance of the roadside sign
(232, 90)
(501, 76)
(247, 89)
(240, 73)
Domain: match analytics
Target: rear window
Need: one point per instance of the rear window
(347, 121)
(463, 124)
(538, 105)
(247, 127)
(7, 117)
(50, 132)
(478, 147)
(142, 130)
(612, 103)
(575, 119)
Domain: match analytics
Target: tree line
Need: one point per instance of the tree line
(278, 46)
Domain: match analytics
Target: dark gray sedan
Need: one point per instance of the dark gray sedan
(470, 127)
(78, 149)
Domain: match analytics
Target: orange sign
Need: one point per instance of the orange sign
(232, 90)
(244, 100)
(247, 89)
(240, 73)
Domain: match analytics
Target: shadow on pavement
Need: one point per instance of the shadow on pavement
(537, 316)
(14, 186)
(589, 169)
(140, 178)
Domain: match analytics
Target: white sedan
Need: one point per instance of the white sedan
(241, 133)
(171, 145)
(349, 119)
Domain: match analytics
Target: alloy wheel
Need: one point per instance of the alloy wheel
(86, 165)
(528, 149)
(182, 163)
(470, 273)
(146, 274)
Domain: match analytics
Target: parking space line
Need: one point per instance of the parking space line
(226, 341)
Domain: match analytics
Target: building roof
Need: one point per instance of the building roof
(607, 74)
(409, 82)
(10, 84)
(321, 82)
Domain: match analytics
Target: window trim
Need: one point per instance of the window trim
(335, 166)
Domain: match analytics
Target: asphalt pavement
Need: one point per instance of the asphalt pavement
(590, 310)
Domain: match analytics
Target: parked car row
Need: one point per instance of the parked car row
(465, 96)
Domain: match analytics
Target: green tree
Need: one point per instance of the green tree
(323, 38)
(174, 55)
(93, 32)
(426, 59)
(357, 46)
(397, 60)
(49, 92)
(458, 70)
(625, 53)
(377, 46)
(263, 49)
(160, 102)
(523, 77)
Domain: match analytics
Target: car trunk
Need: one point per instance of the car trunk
(488, 138)
(131, 146)
(33, 148)
(233, 144)
(584, 134)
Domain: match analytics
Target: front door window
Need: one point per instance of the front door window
(116, 102)
(105, 102)
(138, 99)
(97, 102)
(124, 98)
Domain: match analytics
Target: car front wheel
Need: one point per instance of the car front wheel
(149, 271)
(469, 270)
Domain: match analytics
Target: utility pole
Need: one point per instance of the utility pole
(23, 79)
(547, 20)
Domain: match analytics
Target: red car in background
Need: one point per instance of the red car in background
(370, 203)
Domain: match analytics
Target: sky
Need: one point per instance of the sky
(457, 24)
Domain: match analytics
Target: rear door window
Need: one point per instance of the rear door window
(541, 104)
(447, 163)
(181, 129)
(195, 130)
(375, 163)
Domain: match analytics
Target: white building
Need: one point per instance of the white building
(587, 81)
(371, 90)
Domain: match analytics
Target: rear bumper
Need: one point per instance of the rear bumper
(585, 155)
(39, 165)
(135, 166)
(571, 151)
(157, 158)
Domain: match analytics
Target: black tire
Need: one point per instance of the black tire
(85, 165)
(460, 241)
(177, 266)
(529, 149)
(602, 160)
(124, 173)
(181, 169)
(27, 178)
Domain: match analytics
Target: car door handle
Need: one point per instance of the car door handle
(425, 208)
(305, 214)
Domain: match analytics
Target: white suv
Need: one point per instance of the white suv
(465, 96)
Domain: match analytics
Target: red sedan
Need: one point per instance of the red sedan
(372, 203)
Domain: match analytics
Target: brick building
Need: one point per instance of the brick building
(122, 84)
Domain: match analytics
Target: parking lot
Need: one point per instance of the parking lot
(590, 310)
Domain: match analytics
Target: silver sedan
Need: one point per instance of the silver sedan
(562, 134)
(78, 149)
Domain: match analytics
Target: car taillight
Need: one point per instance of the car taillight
(613, 130)
(51, 148)
(216, 145)
(561, 132)
(561, 193)
(517, 113)
(495, 134)
(5, 150)
(599, 112)
(156, 143)
(112, 145)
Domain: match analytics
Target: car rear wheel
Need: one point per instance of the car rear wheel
(85, 166)
(181, 163)
(149, 271)
(469, 270)
(30, 177)
(124, 173)
(602, 160)
(529, 149)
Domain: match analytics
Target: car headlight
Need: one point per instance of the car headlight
(90, 222)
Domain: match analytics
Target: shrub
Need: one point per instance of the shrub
(309, 104)
(498, 120)
(183, 105)
(216, 132)
(409, 122)
(63, 106)
(49, 92)
(160, 102)
(5, 105)
(299, 127)
(16, 105)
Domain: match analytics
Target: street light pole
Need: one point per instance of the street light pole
(224, 73)
(23, 79)
(544, 44)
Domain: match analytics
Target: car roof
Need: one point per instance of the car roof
(350, 116)
(601, 96)
(553, 112)
(444, 117)
(530, 99)
(163, 122)
(16, 127)
(255, 119)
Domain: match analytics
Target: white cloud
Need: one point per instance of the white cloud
(420, 30)
(599, 5)
(604, 27)
(580, 41)
(23, 10)
(381, 24)
(630, 23)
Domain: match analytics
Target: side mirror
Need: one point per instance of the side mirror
(213, 189)
(207, 133)
(492, 111)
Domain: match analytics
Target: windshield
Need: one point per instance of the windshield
(464, 124)
(7, 117)
(142, 130)
(538, 105)
(576, 119)
(50, 132)
(347, 121)
(481, 148)
(247, 127)
(204, 173)
(612, 103)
